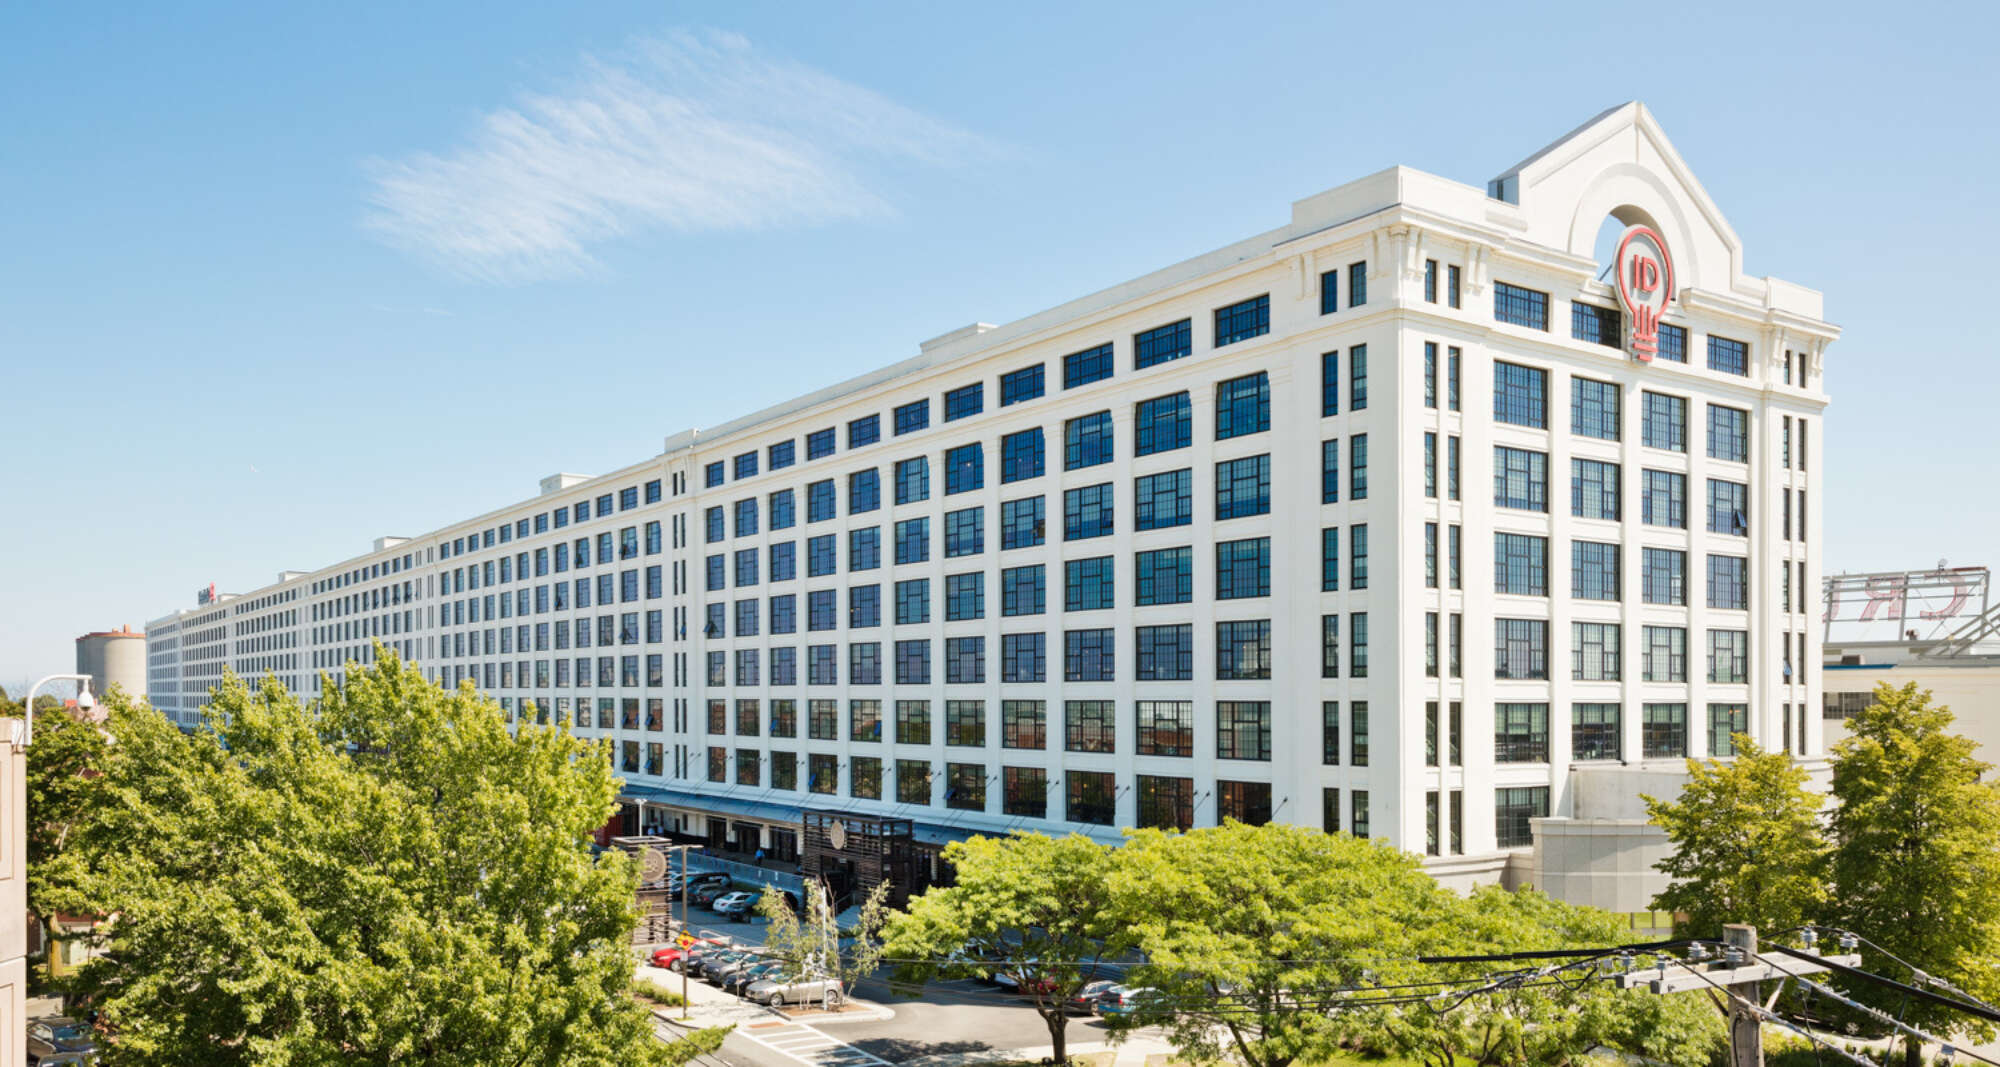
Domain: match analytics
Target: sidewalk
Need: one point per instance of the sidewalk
(709, 1006)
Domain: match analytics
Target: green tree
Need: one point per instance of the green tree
(1554, 1019)
(1249, 932)
(67, 755)
(1034, 902)
(815, 944)
(1747, 844)
(386, 876)
(1916, 855)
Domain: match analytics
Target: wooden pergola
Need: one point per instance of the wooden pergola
(855, 853)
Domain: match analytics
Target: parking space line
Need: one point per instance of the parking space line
(813, 1047)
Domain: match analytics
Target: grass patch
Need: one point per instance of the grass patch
(653, 992)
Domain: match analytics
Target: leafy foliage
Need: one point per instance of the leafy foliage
(67, 755)
(1916, 853)
(1248, 931)
(1036, 903)
(814, 943)
(1553, 1019)
(1747, 844)
(387, 876)
(657, 993)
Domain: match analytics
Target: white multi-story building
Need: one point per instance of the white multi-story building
(1216, 542)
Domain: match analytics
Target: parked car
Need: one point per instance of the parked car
(709, 894)
(1022, 979)
(976, 960)
(738, 903)
(698, 880)
(742, 979)
(699, 966)
(1123, 1000)
(59, 1039)
(778, 992)
(714, 967)
(1085, 1000)
(671, 956)
(722, 972)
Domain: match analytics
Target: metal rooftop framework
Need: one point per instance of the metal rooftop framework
(1939, 615)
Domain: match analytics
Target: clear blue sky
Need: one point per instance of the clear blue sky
(278, 278)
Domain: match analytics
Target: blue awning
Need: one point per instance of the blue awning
(763, 810)
(780, 813)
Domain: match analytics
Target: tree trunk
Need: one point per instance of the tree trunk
(1913, 1052)
(1058, 1024)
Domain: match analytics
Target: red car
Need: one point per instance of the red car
(670, 957)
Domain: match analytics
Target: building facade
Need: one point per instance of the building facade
(114, 657)
(1370, 522)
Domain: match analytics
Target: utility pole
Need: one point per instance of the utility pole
(686, 938)
(1746, 1027)
(1739, 973)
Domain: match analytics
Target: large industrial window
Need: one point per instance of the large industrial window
(1596, 325)
(1243, 406)
(1729, 434)
(1594, 732)
(1238, 322)
(1593, 409)
(1520, 733)
(1664, 421)
(1727, 356)
(1089, 365)
(1522, 307)
(1520, 564)
(1596, 656)
(1521, 648)
(1162, 424)
(1162, 343)
(1594, 570)
(1663, 731)
(1513, 808)
(1520, 479)
(1520, 395)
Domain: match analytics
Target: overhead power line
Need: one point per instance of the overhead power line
(1980, 1010)
(1885, 1017)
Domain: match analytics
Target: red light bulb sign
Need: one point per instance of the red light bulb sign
(1645, 285)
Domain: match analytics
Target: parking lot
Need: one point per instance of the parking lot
(965, 1018)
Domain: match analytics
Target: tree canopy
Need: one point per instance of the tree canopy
(1248, 930)
(386, 876)
(1035, 902)
(63, 763)
(1473, 1017)
(1916, 854)
(1747, 844)
(814, 944)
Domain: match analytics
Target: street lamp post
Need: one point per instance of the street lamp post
(685, 935)
(14, 949)
(25, 736)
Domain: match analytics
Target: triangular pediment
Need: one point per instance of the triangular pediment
(1621, 164)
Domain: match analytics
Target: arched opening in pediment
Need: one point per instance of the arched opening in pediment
(1605, 248)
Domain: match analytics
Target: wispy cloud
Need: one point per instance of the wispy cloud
(687, 132)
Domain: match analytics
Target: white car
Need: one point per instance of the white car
(798, 990)
(734, 904)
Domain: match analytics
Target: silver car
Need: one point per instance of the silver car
(778, 992)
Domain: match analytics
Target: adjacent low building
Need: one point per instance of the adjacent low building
(1938, 628)
(1448, 514)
